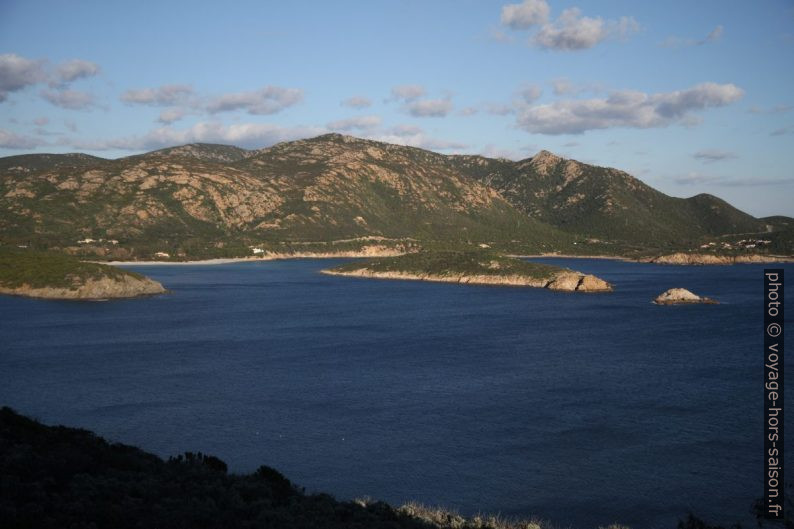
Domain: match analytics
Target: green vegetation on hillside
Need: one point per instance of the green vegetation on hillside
(442, 263)
(39, 269)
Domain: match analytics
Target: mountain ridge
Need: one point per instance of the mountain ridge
(208, 200)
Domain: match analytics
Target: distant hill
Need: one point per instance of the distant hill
(606, 203)
(202, 200)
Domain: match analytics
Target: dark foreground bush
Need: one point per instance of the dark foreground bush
(61, 478)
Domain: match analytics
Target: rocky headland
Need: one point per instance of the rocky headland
(127, 286)
(54, 276)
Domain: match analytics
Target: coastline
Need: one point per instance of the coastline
(311, 255)
(181, 263)
(753, 259)
(264, 257)
(569, 256)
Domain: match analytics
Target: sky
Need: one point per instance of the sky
(690, 97)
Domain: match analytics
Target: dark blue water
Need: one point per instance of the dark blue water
(581, 409)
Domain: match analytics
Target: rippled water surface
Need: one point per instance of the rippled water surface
(582, 409)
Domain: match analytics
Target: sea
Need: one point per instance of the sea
(579, 409)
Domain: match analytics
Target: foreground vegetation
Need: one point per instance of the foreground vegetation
(59, 477)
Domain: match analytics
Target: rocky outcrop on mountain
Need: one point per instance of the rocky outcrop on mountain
(125, 286)
(681, 258)
(681, 296)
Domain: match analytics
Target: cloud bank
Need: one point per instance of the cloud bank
(625, 109)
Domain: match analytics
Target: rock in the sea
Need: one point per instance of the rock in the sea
(591, 283)
(567, 281)
(676, 296)
(574, 281)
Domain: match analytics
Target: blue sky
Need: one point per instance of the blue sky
(689, 97)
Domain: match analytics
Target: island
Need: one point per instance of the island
(681, 296)
(30, 273)
(473, 268)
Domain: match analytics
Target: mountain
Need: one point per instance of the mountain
(202, 200)
(605, 203)
(196, 199)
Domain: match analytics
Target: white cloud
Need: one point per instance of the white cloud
(356, 123)
(168, 94)
(357, 102)
(695, 178)
(421, 140)
(429, 108)
(500, 36)
(69, 99)
(414, 136)
(562, 87)
(572, 31)
(170, 115)
(530, 93)
(268, 100)
(76, 69)
(715, 34)
(468, 111)
(407, 92)
(41, 121)
(410, 95)
(249, 135)
(492, 151)
(11, 140)
(526, 14)
(713, 155)
(18, 72)
(625, 109)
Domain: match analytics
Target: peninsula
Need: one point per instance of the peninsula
(55, 276)
(473, 268)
